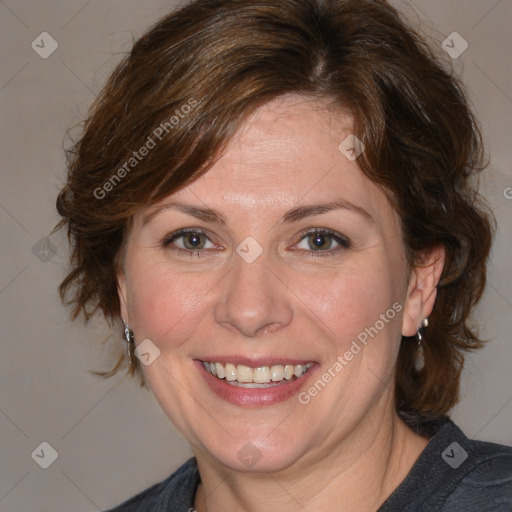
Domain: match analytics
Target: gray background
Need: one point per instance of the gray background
(111, 437)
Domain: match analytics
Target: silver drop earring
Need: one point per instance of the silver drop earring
(130, 342)
(420, 360)
(421, 331)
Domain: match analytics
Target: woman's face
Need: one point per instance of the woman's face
(283, 257)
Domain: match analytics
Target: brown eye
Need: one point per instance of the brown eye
(194, 241)
(319, 241)
(189, 241)
(322, 241)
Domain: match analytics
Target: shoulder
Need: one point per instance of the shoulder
(472, 475)
(486, 481)
(175, 493)
(455, 474)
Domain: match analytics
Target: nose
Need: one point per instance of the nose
(254, 302)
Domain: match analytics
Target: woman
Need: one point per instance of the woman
(272, 201)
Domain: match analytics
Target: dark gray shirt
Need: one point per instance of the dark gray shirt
(452, 474)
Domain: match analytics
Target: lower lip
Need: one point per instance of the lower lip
(254, 396)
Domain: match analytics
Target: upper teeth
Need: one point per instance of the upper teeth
(260, 375)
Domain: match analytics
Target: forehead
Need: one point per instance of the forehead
(285, 132)
(285, 154)
(287, 149)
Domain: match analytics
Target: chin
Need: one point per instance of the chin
(256, 453)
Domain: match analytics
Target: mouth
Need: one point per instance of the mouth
(260, 377)
(258, 385)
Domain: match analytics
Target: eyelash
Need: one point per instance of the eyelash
(341, 240)
(169, 239)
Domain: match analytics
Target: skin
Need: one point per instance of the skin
(347, 447)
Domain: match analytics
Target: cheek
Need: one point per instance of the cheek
(351, 300)
(164, 304)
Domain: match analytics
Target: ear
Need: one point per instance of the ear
(123, 297)
(422, 290)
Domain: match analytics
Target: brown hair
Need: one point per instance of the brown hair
(193, 79)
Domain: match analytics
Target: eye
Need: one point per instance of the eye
(189, 240)
(322, 241)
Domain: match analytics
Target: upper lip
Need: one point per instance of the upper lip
(254, 362)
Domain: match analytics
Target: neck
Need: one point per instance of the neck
(357, 474)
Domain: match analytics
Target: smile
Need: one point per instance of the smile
(260, 377)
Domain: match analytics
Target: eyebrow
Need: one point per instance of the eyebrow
(301, 212)
(293, 215)
(204, 214)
